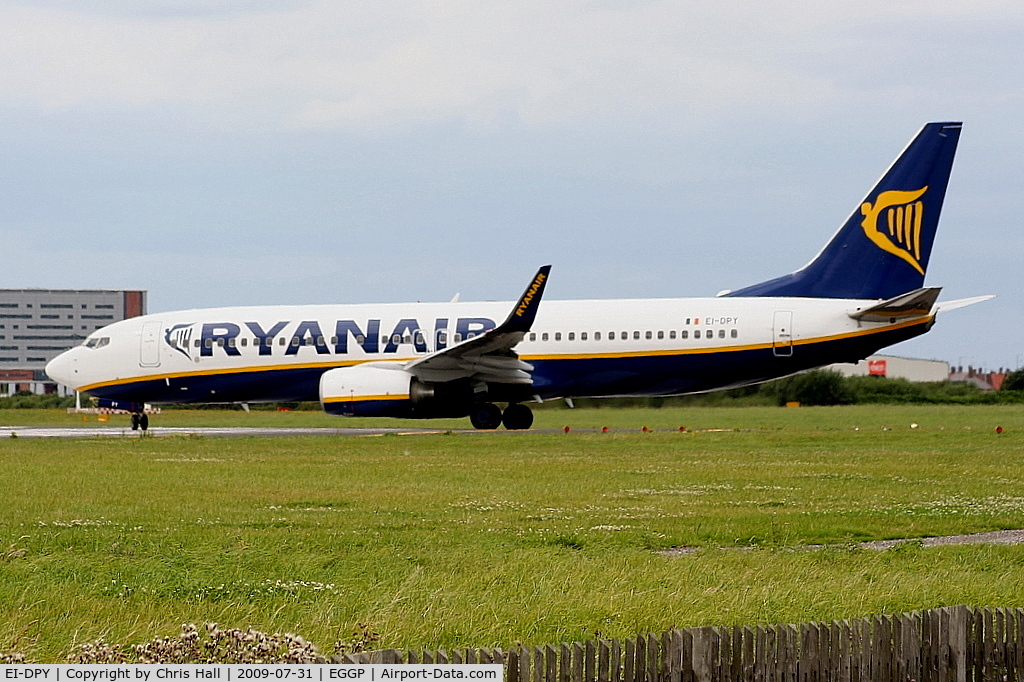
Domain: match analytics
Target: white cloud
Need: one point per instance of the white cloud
(378, 65)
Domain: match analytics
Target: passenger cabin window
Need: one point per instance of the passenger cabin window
(684, 334)
(648, 336)
(597, 336)
(572, 336)
(583, 336)
(696, 333)
(733, 333)
(544, 336)
(624, 335)
(533, 336)
(558, 336)
(672, 334)
(721, 333)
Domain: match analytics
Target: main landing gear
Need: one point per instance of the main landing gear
(140, 420)
(488, 416)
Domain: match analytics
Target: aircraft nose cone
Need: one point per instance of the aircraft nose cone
(63, 369)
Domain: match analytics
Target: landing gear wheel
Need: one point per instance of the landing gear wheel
(517, 417)
(135, 421)
(485, 416)
(143, 421)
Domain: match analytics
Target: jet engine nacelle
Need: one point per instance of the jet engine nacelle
(366, 391)
(388, 390)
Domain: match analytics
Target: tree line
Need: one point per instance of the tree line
(817, 387)
(829, 387)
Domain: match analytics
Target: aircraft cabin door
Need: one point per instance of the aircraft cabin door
(149, 350)
(782, 333)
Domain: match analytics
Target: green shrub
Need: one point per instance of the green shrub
(1014, 381)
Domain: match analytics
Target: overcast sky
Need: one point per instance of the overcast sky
(236, 152)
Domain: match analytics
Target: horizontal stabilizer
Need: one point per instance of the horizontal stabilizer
(962, 302)
(911, 304)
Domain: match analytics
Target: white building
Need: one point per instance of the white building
(895, 367)
(36, 325)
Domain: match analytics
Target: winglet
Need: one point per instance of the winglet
(522, 316)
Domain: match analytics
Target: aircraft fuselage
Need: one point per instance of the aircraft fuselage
(642, 347)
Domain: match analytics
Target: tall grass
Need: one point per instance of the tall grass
(475, 539)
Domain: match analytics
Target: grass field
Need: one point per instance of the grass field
(476, 539)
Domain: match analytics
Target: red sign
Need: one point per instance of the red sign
(877, 368)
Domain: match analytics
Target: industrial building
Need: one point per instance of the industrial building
(38, 324)
(895, 367)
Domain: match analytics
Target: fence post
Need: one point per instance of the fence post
(589, 661)
(512, 669)
(640, 659)
(604, 658)
(703, 670)
(1018, 644)
(628, 666)
(1002, 630)
(674, 656)
(686, 655)
(577, 662)
(958, 642)
(764, 654)
(551, 664)
(523, 655)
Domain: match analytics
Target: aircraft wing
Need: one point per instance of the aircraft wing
(490, 356)
(911, 304)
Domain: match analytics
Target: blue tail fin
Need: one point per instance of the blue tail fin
(882, 250)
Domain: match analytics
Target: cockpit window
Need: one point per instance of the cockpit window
(96, 341)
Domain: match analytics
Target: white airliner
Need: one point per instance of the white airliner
(864, 291)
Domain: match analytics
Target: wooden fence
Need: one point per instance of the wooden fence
(949, 644)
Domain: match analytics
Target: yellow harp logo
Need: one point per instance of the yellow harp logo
(901, 233)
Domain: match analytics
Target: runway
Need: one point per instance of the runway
(203, 432)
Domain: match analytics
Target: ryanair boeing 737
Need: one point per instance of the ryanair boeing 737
(863, 292)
